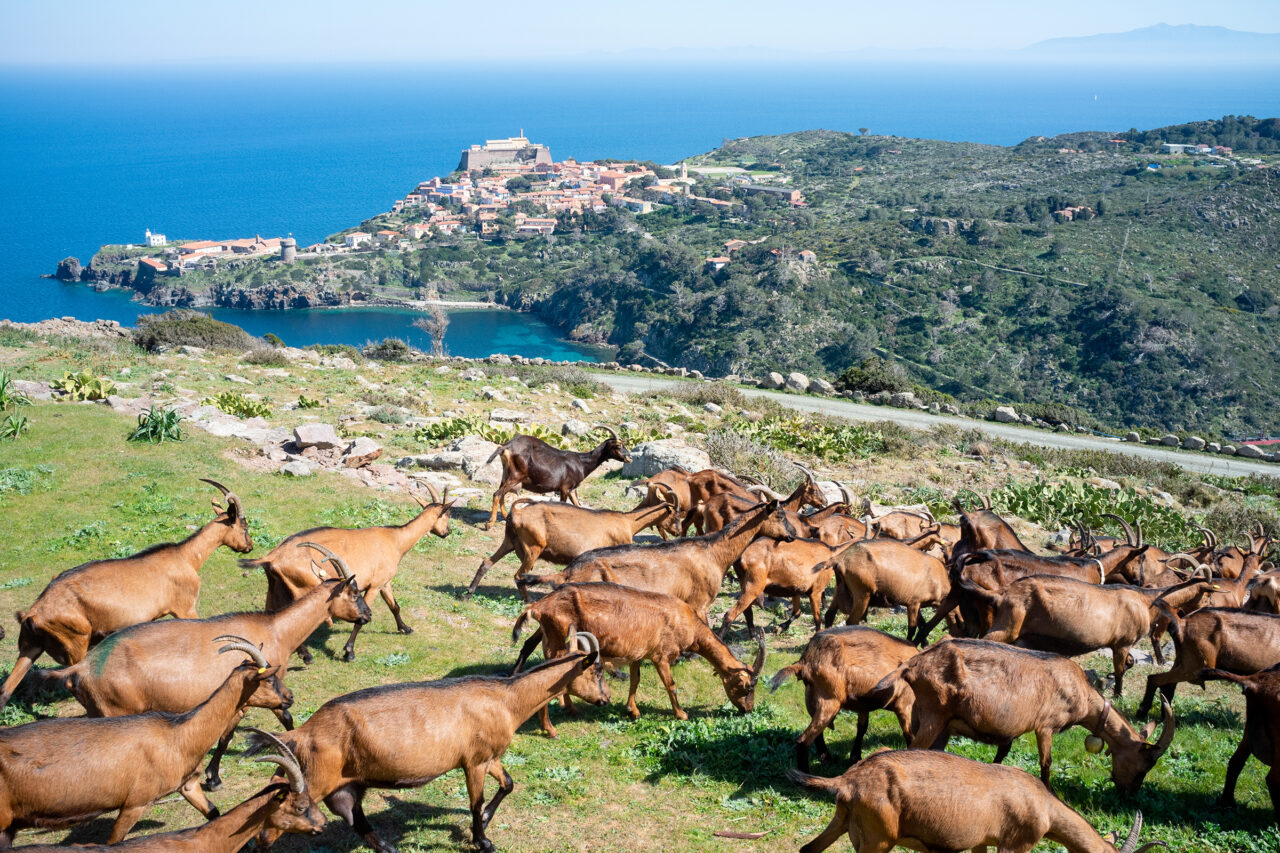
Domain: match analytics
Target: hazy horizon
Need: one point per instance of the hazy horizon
(127, 33)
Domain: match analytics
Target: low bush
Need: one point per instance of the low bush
(265, 357)
(237, 404)
(389, 349)
(11, 397)
(1057, 505)
(305, 402)
(273, 339)
(157, 425)
(745, 454)
(823, 438)
(338, 349)
(874, 375)
(387, 415)
(84, 386)
(193, 328)
(699, 394)
(571, 380)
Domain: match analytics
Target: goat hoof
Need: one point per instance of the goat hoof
(405, 629)
(211, 785)
(349, 656)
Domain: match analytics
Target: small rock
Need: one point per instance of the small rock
(904, 400)
(296, 469)
(508, 416)
(492, 394)
(1213, 447)
(798, 382)
(1005, 415)
(712, 408)
(1228, 450)
(232, 377)
(581, 405)
(444, 368)
(822, 386)
(473, 374)
(1062, 428)
(573, 426)
(321, 436)
(951, 409)
(361, 452)
(1104, 483)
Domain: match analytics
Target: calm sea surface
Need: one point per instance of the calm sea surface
(94, 157)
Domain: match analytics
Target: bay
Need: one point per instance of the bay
(96, 156)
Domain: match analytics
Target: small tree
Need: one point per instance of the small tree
(434, 324)
(864, 130)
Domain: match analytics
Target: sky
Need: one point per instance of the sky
(132, 32)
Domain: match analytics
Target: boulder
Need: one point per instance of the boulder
(69, 269)
(473, 374)
(653, 456)
(950, 409)
(1169, 440)
(573, 426)
(904, 400)
(492, 394)
(322, 436)
(296, 469)
(361, 452)
(797, 382)
(581, 405)
(1193, 442)
(1065, 428)
(822, 386)
(508, 416)
(1249, 451)
(712, 408)
(33, 389)
(1213, 447)
(1005, 415)
(1228, 449)
(773, 379)
(1132, 436)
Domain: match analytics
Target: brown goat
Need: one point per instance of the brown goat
(82, 605)
(170, 665)
(532, 464)
(1229, 561)
(1223, 593)
(690, 489)
(982, 530)
(1261, 731)
(1237, 641)
(792, 569)
(893, 570)
(1264, 593)
(65, 771)
(994, 693)
(632, 626)
(405, 735)
(717, 512)
(375, 551)
(1073, 617)
(691, 570)
(839, 667)
(902, 524)
(284, 807)
(936, 801)
(559, 532)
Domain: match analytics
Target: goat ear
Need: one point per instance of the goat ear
(343, 584)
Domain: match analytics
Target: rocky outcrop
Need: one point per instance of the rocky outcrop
(653, 456)
(70, 327)
(1005, 415)
(69, 269)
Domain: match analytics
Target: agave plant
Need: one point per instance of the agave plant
(157, 425)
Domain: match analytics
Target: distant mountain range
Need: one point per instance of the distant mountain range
(1162, 42)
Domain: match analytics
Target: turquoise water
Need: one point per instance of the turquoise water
(95, 157)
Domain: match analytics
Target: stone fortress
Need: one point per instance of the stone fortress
(515, 149)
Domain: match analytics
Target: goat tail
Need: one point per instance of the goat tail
(253, 562)
(501, 449)
(1222, 675)
(817, 783)
(540, 580)
(520, 620)
(518, 502)
(1175, 624)
(783, 674)
(883, 694)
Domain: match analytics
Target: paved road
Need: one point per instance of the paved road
(1206, 463)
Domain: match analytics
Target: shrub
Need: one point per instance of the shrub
(158, 425)
(234, 403)
(701, 393)
(305, 402)
(390, 349)
(820, 437)
(273, 339)
(745, 454)
(874, 375)
(84, 386)
(337, 349)
(1056, 505)
(571, 380)
(387, 415)
(265, 357)
(193, 328)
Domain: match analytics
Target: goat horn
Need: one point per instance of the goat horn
(670, 491)
(1128, 531)
(431, 490)
(1131, 840)
(986, 502)
(225, 491)
(609, 430)
(284, 758)
(587, 639)
(808, 475)
(1206, 535)
(1137, 526)
(240, 644)
(1167, 726)
(847, 493)
(1181, 558)
(766, 491)
(232, 499)
(339, 565)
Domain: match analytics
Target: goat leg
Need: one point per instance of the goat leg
(1227, 800)
(389, 597)
(347, 803)
(126, 820)
(476, 774)
(632, 708)
(194, 794)
(25, 659)
(349, 650)
(663, 667)
(505, 786)
(212, 773)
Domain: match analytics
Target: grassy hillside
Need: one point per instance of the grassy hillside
(73, 489)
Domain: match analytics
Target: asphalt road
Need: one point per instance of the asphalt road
(1205, 463)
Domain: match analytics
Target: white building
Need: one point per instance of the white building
(357, 238)
(154, 240)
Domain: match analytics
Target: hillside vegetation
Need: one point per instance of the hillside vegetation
(1154, 305)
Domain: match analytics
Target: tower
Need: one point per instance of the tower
(288, 250)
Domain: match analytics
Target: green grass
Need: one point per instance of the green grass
(607, 783)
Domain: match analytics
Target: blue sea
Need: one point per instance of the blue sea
(93, 156)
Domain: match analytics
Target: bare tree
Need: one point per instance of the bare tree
(434, 324)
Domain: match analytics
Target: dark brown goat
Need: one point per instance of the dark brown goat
(531, 463)
(691, 570)
(1237, 641)
(84, 604)
(717, 512)
(405, 735)
(936, 801)
(839, 667)
(994, 693)
(283, 807)
(65, 771)
(171, 665)
(690, 489)
(559, 533)
(1261, 731)
(633, 626)
(1072, 617)
(375, 552)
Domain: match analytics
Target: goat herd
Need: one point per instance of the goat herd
(160, 695)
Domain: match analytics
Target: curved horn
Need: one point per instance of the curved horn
(1181, 558)
(284, 758)
(225, 491)
(758, 666)
(339, 565)
(808, 474)
(1131, 840)
(588, 640)
(609, 430)
(431, 490)
(986, 502)
(1129, 537)
(847, 493)
(1208, 539)
(233, 500)
(240, 644)
(1137, 527)
(1166, 729)
(670, 491)
(766, 491)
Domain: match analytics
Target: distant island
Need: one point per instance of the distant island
(1129, 274)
